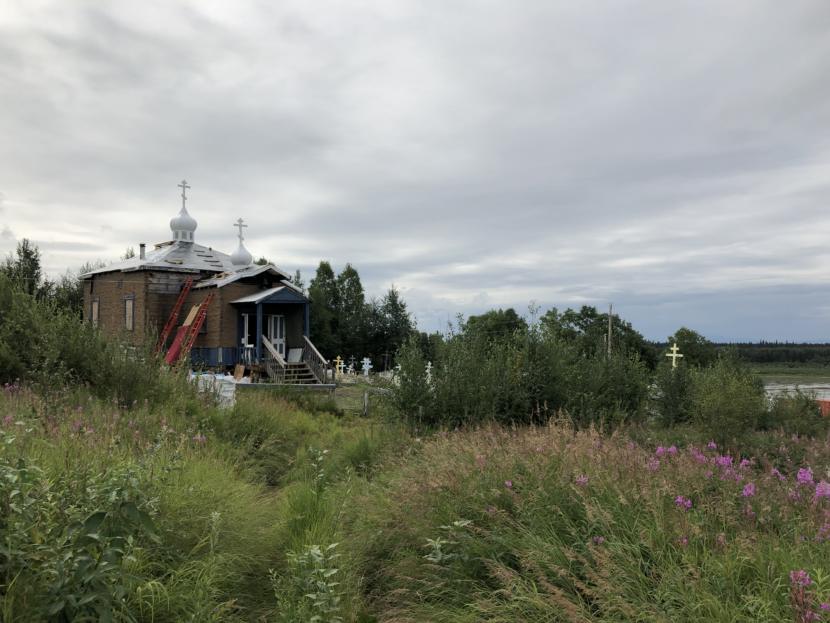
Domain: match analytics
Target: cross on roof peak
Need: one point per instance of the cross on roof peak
(184, 186)
(240, 224)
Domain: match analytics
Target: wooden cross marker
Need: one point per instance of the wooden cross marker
(339, 364)
(674, 355)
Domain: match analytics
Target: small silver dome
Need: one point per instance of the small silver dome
(241, 257)
(183, 226)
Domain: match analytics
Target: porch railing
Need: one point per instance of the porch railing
(315, 361)
(272, 361)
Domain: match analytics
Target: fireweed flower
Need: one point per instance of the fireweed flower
(660, 451)
(698, 455)
(582, 480)
(749, 490)
(683, 502)
(745, 463)
(823, 489)
(723, 460)
(777, 474)
(800, 578)
(712, 445)
(805, 476)
(672, 450)
(653, 465)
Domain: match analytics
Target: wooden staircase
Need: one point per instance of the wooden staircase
(310, 370)
(299, 374)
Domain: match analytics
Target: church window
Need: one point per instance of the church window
(129, 314)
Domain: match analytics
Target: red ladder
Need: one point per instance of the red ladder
(174, 315)
(187, 333)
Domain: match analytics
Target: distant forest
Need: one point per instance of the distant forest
(772, 352)
(781, 352)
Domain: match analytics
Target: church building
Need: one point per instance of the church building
(255, 315)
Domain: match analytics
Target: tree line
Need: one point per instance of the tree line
(345, 323)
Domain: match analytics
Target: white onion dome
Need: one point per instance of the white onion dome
(183, 225)
(241, 257)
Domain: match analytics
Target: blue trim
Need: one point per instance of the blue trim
(286, 295)
(204, 357)
(258, 336)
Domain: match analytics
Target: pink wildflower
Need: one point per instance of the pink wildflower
(805, 476)
(582, 480)
(712, 445)
(723, 460)
(698, 455)
(745, 463)
(672, 450)
(660, 451)
(749, 490)
(823, 489)
(508, 484)
(653, 465)
(598, 540)
(683, 502)
(683, 541)
(777, 474)
(824, 606)
(800, 578)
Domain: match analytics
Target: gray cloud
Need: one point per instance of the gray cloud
(668, 157)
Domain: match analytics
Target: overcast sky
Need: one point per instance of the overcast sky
(670, 157)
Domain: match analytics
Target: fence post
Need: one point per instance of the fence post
(365, 404)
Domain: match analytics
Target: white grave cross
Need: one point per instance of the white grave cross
(674, 355)
(367, 365)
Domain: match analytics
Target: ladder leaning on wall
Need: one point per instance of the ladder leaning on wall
(188, 332)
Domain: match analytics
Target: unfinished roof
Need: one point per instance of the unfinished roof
(236, 273)
(177, 256)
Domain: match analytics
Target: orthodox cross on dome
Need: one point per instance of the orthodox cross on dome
(240, 224)
(184, 186)
(674, 355)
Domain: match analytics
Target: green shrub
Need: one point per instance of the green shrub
(727, 400)
(671, 399)
(796, 413)
(607, 392)
(522, 378)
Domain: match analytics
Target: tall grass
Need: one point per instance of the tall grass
(547, 524)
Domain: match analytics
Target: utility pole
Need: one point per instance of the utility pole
(610, 316)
